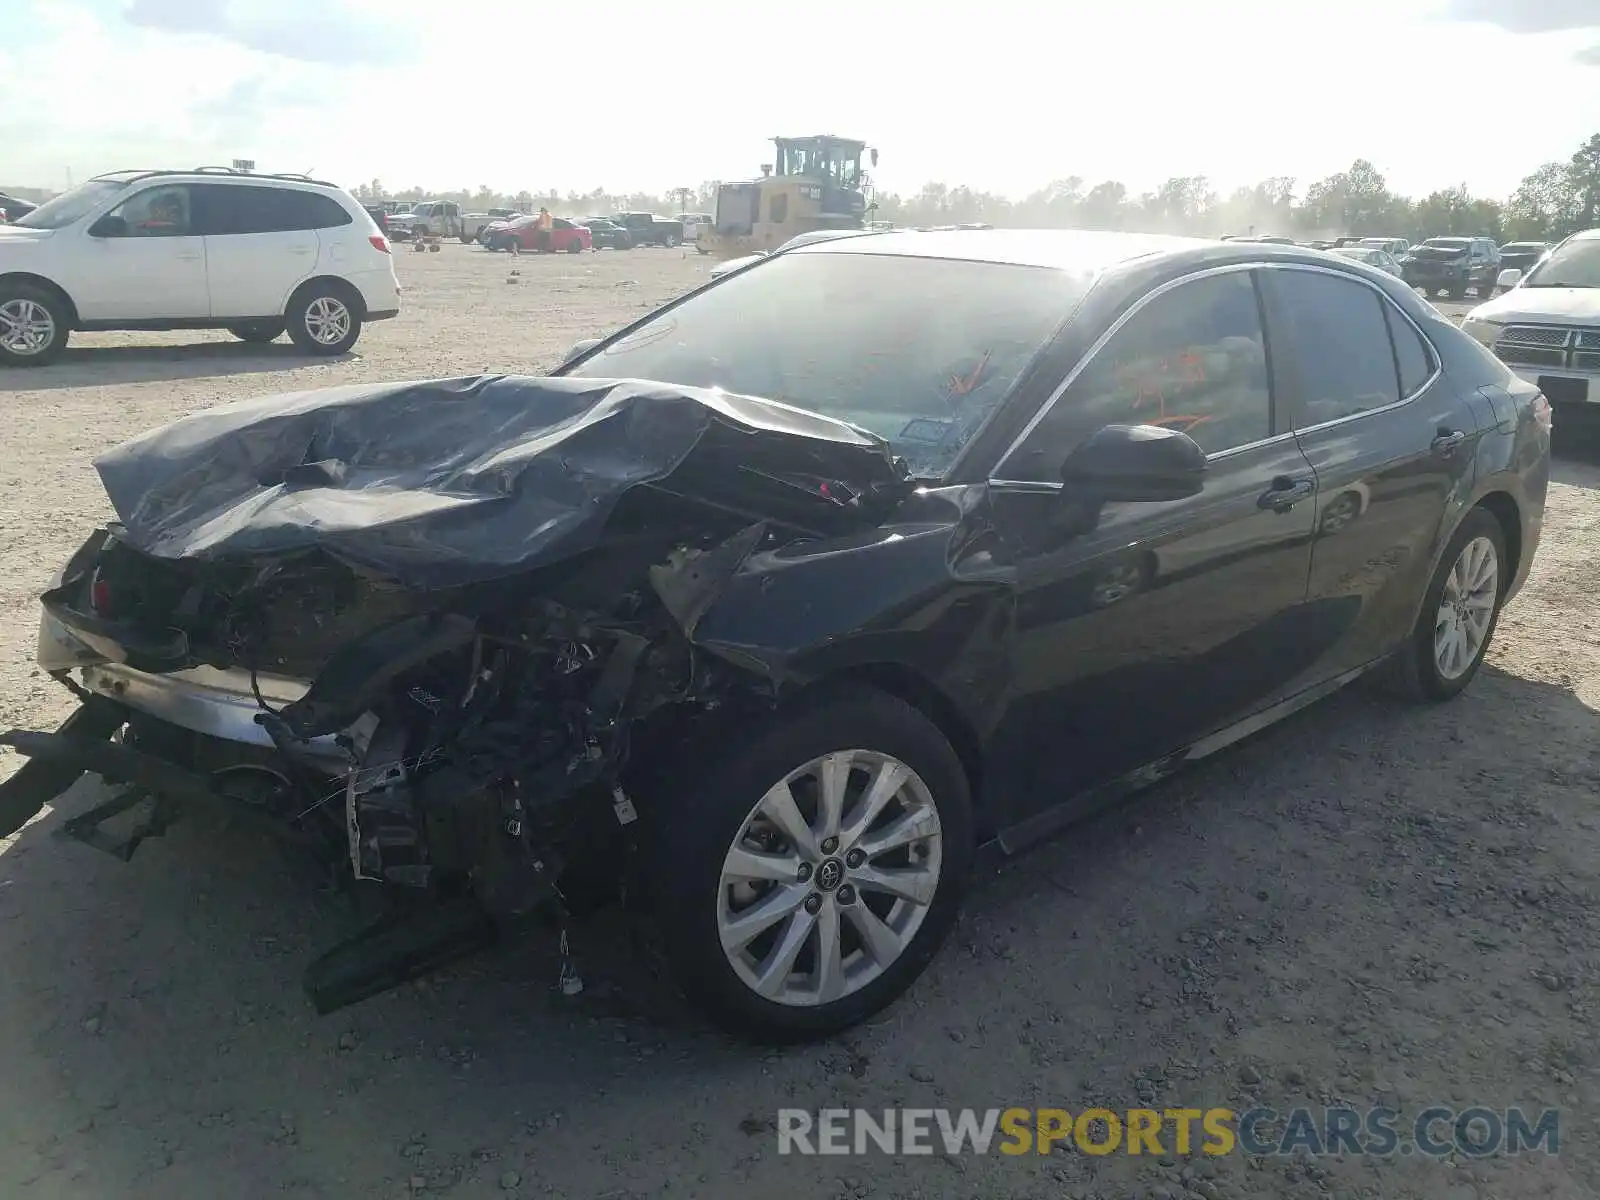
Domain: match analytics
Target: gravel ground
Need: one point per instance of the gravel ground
(1368, 904)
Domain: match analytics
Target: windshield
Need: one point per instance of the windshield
(1575, 264)
(71, 206)
(1359, 253)
(1523, 248)
(916, 350)
(1452, 244)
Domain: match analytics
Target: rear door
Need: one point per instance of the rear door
(1392, 446)
(261, 242)
(1164, 621)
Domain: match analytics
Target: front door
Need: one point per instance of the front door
(1392, 445)
(142, 261)
(1159, 623)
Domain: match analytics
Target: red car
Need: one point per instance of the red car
(524, 231)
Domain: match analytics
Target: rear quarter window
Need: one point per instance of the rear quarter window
(1412, 355)
(244, 209)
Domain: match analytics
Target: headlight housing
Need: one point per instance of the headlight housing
(1481, 330)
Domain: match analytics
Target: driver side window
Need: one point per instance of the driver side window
(155, 212)
(1193, 359)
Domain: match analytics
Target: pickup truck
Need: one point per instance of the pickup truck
(647, 229)
(1454, 264)
(429, 218)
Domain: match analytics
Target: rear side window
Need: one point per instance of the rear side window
(1412, 355)
(1337, 334)
(239, 210)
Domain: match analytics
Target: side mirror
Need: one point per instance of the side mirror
(1135, 464)
(582, 347)
(109, 227)
(1509, 278)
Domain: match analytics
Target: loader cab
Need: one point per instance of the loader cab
(811, 183)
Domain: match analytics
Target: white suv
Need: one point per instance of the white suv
(207, 249)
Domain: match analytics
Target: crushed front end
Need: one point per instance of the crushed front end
(464, 736)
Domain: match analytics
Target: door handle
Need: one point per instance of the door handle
(1447, 441)
(299, 249)
(190, 256)
(1285, 493)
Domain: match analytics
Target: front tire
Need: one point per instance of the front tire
(324, 319)
(671, 241)
(258, 333)
(1460, 611)
(806, 879)
(34, 326)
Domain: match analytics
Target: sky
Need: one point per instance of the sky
(1005, 96)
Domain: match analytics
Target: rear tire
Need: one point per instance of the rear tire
(1415, 672)
(701, 831)
(258, 333)
(34, 326)
(324, 319)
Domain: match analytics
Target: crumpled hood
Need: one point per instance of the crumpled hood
(1580, 305)
(456, 481)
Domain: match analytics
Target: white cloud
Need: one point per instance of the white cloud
(318, 31)
(641, 94)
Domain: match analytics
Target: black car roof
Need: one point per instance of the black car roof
(1084, 251)
(1066, 249)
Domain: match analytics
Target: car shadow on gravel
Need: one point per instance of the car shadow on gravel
(1306, 902)
(99, 366)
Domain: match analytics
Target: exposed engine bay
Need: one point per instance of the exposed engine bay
(490, 694)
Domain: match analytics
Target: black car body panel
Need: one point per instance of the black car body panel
(665, 557)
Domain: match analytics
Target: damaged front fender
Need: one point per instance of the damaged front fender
(921, 592)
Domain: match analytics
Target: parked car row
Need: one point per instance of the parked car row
(1449, 264)
(620, 231)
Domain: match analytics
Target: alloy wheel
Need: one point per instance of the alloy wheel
(829, 878)
(1466, 608)
(328, 320)
(26, 327)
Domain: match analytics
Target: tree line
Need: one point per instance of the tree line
(1553, 201)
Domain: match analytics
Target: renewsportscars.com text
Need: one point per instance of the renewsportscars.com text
(1435, 1131)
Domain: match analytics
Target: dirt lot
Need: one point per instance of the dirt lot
(1370, 904)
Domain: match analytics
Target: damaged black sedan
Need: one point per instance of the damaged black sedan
(777, 607)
